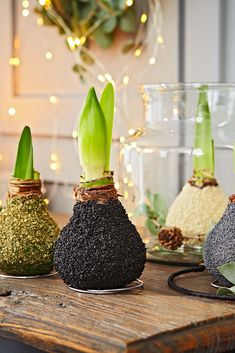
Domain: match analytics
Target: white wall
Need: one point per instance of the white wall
(228, 42)
(202, 40)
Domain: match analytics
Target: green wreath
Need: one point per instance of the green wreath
(83, 21)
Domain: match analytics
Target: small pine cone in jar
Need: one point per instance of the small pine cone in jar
(170, 238)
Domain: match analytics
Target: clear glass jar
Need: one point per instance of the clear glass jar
(157, 161)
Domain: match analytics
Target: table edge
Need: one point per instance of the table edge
(215, 335)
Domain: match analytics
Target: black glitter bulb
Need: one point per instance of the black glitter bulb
(219, 246)
(99, 248)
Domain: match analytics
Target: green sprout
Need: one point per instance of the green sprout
(95, 136)
(155, 212)
(204, 145)
(24, 161)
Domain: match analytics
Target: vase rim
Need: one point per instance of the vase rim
(183, 86)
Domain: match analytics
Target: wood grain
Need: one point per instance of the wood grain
(45, 314)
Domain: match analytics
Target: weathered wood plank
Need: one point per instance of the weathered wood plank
(215, 336)
(47, 315)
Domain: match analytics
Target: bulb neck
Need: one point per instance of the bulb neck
(18, 187)
(202, 182)
(100, 194)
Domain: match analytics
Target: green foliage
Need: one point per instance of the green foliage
(95, 20)
(226, 291)
(107, 106)
(80, 15)
(203, 144)
(24, 161)
(103, 39)
(228, 271)
(128, 22)
(109, 25)
(95, 133)
(155, 212)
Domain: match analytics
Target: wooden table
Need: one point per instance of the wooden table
(47, 315)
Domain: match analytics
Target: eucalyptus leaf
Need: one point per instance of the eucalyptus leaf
(159, 205)
(101, 14)
(109, 25)
(127, 22)
(121, 4)
(142, 209)
(150, 197)
(155, 211)
(228, 271)
(104, 40)
(226, 291)
(78, 69)
(107, 6)
(86, 11)
(151, 226)
(108, 2)
(161, 221)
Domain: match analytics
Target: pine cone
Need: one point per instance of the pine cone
(232, 198)
(170, 238)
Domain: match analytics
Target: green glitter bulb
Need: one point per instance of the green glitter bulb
(27, 236)
(27, 231)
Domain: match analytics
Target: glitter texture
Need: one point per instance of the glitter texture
(27, 236)
(99, 248)
(219, 247)
(195, 210)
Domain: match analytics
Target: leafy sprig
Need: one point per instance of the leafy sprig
(228, 271)
(95, 21)
(155, 212)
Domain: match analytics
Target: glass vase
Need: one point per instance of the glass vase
(157, 161)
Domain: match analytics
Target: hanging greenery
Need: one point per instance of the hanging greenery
(86, 21)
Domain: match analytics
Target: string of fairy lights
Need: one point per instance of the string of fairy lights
(98, 72)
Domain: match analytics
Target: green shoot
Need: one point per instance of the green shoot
(95, 135)
(107, 106)
(92, 138)
(203, 144)
(24, 161)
